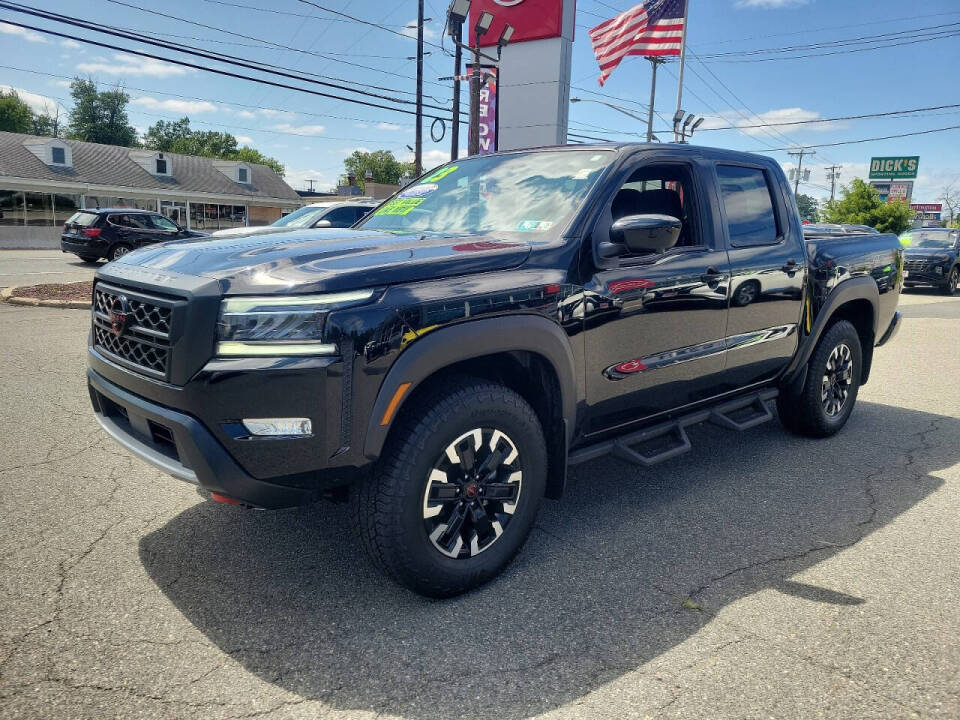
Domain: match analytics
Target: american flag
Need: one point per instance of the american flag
(649, 29)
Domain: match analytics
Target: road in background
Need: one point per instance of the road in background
(761, 575)
(33, 267)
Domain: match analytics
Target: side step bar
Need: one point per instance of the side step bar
(668, 440)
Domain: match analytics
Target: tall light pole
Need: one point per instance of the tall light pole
(457, 15)
(481, 29)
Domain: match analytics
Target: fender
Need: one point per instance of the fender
(860, 288)
(465, 341)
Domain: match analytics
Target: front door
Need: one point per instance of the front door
(655, 322)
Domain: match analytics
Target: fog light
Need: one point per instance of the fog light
(274, 427)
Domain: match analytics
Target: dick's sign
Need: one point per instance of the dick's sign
(894, 168)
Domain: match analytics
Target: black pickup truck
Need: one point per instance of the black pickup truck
(497, 320)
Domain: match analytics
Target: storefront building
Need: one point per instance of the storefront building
(43, 181)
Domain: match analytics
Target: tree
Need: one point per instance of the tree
(808, 206)
(45, 124)
(382, 164)
(951, 204)
(859, 204)
(15, 115)
(100, 117)
(177, 136)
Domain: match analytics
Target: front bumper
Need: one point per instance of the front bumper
(181, 446)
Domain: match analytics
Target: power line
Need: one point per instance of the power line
(366, 22)
(891, 113)
(209, 55)
(874, 139)
(251, 37)
(216, 71)
(208, 99)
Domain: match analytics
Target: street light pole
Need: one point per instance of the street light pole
(457, 34)
(475, 79)
(618, 109)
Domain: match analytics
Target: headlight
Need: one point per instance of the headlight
(280, 325)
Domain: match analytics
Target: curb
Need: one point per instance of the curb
(6, 295)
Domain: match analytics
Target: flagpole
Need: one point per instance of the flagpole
(683, 60)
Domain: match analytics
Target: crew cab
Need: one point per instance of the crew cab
(496, 321)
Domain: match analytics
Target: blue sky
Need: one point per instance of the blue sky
(312, 135)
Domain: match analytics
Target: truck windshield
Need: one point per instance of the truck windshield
(528, 192)
(928, 239)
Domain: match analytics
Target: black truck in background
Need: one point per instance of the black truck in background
(497, 320)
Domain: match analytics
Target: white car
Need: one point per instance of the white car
(318, 215)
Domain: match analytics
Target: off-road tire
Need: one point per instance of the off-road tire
(806, 414)
(390, 502)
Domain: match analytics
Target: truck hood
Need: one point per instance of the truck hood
(926, 253)
(327, 260)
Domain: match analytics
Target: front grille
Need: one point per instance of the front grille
(915, 265)
(143, 343)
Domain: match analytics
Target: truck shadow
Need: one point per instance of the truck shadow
(598, 590)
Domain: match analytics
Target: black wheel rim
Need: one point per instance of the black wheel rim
(837, 380)
(472, 492)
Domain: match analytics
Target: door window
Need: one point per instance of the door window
(748, 201)
(661, 190)
(162, 223)
(341, 217)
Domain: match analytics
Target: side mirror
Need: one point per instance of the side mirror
(323, 223)
(646, 233)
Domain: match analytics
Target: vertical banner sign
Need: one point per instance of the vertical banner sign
(488, 109)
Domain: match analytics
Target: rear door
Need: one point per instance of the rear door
(768, 269)
(654, 323)
(133, 229)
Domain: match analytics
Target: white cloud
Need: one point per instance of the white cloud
(28, 35)
(770, 4)
(244, 140)
(388, 126)
(410, 31)
(177, 106)
(38, 103)
(347, 152)
(300, 129)
(62, 83)
(361, 125)
(784, 120)
(245, 114)
(267, 112)
(72, 44)
(298, 179)
(123, 64)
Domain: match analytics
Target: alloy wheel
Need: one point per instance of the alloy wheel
(472, 492)
(837, 380)
(954, 280)
(120, 251)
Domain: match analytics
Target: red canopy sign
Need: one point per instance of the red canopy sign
(531, 19)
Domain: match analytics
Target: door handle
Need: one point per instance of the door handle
(712, 276)
(790, 268)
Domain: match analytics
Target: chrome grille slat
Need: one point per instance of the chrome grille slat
(144, 346)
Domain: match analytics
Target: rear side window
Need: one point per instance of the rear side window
(341, 217)
(747, 199)
(83, 219)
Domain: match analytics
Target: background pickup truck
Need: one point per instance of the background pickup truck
(499, 319)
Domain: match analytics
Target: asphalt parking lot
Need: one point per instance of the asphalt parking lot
(759, 576)
(33, 267)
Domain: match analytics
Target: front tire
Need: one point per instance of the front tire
(456, 490)
(950, 287)
(830, 390)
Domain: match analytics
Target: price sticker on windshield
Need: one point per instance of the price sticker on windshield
(400, 206)
(441, 174)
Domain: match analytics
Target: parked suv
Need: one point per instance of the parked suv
(497, 320)
(318, 215)
(113, 232)
(932, 258)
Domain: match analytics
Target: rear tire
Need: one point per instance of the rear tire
(429, 515)
(118, 251)
(830, 390)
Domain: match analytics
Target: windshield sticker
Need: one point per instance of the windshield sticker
(441, 174)
(400, 206)
(534, 225)
(416, 191)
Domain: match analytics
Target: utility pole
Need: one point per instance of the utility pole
(457, 63)
(418, 153)
(475, 82)
(833, 174)
(655, 62)
(799, 154)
